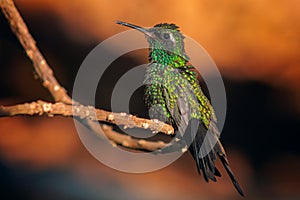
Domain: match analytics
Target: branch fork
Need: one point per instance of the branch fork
(63, 104)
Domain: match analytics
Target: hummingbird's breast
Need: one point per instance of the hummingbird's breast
(174, 93)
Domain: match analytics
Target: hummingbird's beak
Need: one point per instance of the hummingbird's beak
(141, 29)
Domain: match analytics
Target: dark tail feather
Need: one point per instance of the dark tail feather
(230, 173)
(217, 173)
(206, 162)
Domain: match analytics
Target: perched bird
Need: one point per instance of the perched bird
(174, 95)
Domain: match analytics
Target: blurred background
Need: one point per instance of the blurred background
(255, 44)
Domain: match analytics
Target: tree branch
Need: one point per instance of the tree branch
(85, 114)
(129, 142)
(61, 109)
(40, 65)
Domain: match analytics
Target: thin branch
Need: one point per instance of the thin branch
(61, 109)
(129, 142)
(40, 65)
(84, 112)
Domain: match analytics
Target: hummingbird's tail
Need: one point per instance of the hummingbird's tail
(229, 172)
(206, 156)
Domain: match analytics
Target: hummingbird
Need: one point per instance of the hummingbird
(174, 95)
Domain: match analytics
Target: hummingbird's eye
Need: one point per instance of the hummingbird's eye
(166, 36)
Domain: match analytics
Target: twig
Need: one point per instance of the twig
(84, 112)
(40, 65)
(129, 142)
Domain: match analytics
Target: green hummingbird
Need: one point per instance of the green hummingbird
(173, 94)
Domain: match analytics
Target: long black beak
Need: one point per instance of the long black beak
(141, 29)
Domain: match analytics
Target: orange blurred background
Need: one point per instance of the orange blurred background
(256, 45)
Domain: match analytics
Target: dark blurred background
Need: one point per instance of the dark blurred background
(255, 44)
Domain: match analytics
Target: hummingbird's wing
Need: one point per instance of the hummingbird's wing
(193, 130)
(180, 112)
(205, 145)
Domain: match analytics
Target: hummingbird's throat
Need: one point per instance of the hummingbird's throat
(167, 58)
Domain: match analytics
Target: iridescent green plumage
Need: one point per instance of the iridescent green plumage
(173, 94)
(170, 70)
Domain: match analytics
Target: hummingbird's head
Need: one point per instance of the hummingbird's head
(164, 37)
